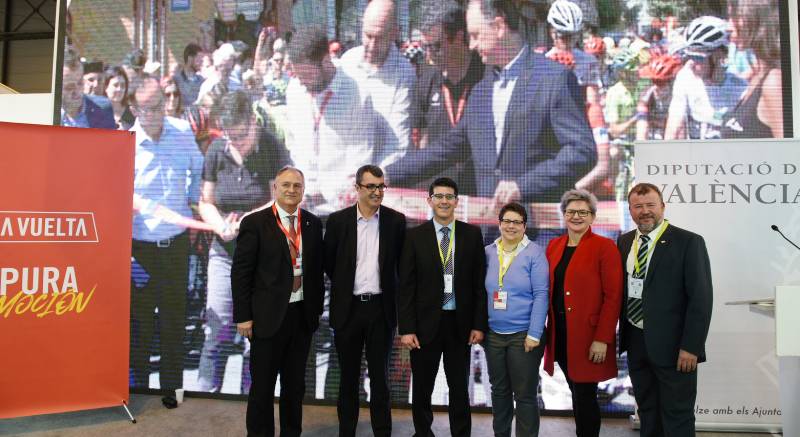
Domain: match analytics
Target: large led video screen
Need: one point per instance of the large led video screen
(232, 107)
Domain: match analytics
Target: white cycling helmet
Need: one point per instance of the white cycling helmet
(565, 16)
(706, 33)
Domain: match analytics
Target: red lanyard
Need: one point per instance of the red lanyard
(448, 104)
(298, 231)
(322, 106)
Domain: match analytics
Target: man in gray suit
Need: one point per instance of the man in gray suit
(665, 315)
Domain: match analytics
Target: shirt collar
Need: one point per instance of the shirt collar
(360, 216)
(438, 226)
(654, 232)
(520, 247)
(141, 135)
(513, 69)
(283, 214)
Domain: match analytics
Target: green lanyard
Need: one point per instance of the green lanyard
(636, 265)
(501, 271)
(449, 247)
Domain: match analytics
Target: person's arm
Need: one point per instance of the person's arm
(480, 321)
(243, 270)
(678, 109)
(195, 170)
(540, 287)
(331, 245)
(211, 215)
(407, 293)
(578, 153)
(399, 118)
(770, 107)
(699, 292)
(597, 122)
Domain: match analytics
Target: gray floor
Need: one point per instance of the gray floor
(206, 417)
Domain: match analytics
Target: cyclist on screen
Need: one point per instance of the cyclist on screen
(653, 106)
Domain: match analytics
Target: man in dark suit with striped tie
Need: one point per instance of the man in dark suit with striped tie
(441, 306)
(666, 314)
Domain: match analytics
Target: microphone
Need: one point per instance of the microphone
(775, 228)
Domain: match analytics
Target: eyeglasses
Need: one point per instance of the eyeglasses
(579, 212)
(440, 196)
(698, 57)
(511, 222)
(372, 187)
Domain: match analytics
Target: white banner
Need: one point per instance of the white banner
(731, 193)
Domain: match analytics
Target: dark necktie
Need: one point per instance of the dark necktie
(298, 280)
(635, 311)
(447, 267)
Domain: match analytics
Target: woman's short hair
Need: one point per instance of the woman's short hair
(579, 196)
(513, 207)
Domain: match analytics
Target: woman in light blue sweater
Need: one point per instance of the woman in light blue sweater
(517, 283)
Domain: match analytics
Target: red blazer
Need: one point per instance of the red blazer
(592, 296)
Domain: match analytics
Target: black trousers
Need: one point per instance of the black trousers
(585, 408)
(167, 267)
(284, 353)
(366, 329)
(425, 366)
(664, 395)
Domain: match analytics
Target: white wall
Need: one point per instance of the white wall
(27, 108)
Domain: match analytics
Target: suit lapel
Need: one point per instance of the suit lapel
(626, 241)
(430, 235)
(272, 225)
(662, 246)
(305, 227)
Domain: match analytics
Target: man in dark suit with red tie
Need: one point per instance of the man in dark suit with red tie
(442, 306)
(666, 314)
(277, 286)
(362, 248)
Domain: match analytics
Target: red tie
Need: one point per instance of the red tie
(293, 252)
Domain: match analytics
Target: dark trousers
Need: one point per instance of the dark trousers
(167, 267)
(665, 396)
(366, 328)
(514, 375)
(585, 408)
(425, 366)
(284, 353)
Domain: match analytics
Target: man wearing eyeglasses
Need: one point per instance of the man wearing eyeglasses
(442, 306)
(362, 249)
(168, 167)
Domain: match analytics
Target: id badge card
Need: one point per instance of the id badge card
(635, 287)
(448, 283)
(500, 299)
(298, 268)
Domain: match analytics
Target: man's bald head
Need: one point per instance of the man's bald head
(379, 31)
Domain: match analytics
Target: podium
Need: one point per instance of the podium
(784, 307)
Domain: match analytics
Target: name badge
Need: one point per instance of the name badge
(448, 283)
(500, 300)
(635, 287)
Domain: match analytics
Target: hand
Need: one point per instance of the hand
(506, 191)
(530, 344)
(475, 336)
(597, 352)
(687, 362)
(409, 341)
(231, 228)
(245, 329)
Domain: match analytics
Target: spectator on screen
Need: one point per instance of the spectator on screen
(188, 76)
(224, 60)
(116, 88)
(173, 100)
(92, 78)
(79, 109)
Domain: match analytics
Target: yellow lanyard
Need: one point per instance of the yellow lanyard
(501, 271)
(449, 246)
(636, 265)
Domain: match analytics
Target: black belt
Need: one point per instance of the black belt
(366, 297)
(162, 244)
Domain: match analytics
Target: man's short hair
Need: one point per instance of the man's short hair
(443, 182)
(191, 49)
(374, 170)
(223, 53)
(643, 188)
(236, 109)
(513, 207)
(140, 83)
(308, 46)
(286, 168)
(501, 8)
(450, 15)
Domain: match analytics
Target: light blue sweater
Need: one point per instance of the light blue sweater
(527, 283)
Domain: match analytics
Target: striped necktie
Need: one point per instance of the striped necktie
(635, 310)
(447, 267)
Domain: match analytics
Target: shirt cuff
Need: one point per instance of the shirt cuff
(530, 337)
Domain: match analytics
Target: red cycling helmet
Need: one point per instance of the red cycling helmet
(564, 58)
(662, 68)
(595, 46)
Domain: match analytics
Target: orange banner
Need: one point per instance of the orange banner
(65, 261)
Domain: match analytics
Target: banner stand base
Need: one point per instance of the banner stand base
(125, 406)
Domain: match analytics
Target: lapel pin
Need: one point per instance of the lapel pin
(663, 241)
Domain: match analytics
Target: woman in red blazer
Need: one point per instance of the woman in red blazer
(585, 299)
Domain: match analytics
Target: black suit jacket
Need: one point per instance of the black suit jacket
(547, 144)
(261, 274)
(678, 296)
(419, 302)
(340, 260)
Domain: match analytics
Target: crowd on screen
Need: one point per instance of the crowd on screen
(213, 131)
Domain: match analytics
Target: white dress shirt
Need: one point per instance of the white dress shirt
(297, 295)
(504, 82)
